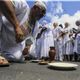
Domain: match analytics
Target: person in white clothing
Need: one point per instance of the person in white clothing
(10, 49)
(58, 40)
(77, 42)
(54, 31)
(47, 41)
(68, 43)
(39, 43)
(27, 18)
(7, 9)
(36, 13)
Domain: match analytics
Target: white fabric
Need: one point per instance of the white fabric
(35, 47)
(77, 44)
(66, 37)
(36, 30)
(68, 42)
(58, 41)
(32, 50)
(38, 46)
(54, 31)
(47, 41)
(9, 45)
(60, 44)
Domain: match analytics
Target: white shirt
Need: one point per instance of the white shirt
(8, 33)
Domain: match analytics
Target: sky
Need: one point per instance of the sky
(61, 11)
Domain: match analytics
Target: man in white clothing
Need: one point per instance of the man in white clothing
(10, 49)
(7, 9)
(77, 42)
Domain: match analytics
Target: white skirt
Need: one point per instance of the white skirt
(46, 43)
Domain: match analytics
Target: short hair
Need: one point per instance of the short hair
(61, 25)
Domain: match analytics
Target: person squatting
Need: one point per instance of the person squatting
(17, 23)
(40, 39)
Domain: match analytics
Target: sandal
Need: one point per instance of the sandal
(43, 62)
(3, 62)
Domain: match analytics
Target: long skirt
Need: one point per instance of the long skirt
(38, 48)
(46, 43)
(77, 44)
(69, 47)
(60, 49)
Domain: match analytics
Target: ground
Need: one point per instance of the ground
(34, 71)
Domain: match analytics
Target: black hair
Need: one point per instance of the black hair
(61, 25)
(77, 22)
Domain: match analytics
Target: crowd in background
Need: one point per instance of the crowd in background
(64, 38)
(39, 38)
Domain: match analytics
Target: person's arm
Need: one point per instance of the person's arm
(39, 34)
(6, 8)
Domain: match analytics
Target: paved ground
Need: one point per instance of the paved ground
(33, 71)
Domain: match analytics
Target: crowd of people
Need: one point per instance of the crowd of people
(63, 38)
(21, 36)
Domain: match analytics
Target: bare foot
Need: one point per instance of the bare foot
(3, 60)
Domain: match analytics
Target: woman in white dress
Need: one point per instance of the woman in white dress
(68, 42)
(47, 41)
(54, 31)
(58, 41)
(77, 42)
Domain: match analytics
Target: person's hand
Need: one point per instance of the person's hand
(44, 29)
(19, 35)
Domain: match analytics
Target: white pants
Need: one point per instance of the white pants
(15, 53)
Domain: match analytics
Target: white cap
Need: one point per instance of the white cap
(40, 3)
